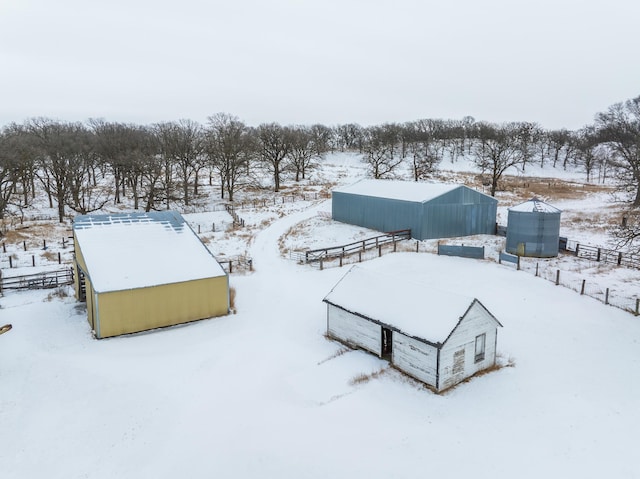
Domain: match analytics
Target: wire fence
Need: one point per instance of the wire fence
(573, 280)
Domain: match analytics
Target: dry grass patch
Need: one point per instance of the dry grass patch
(232, 299)
(365, 378)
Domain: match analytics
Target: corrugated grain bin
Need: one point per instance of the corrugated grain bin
(533, 229)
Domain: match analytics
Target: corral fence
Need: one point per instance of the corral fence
(573, 280)
(279, 200)
(43, 252)
(44, 280)
(604, 255)
(359, 250)
(593, 253)
(475, 252)
(235, 264)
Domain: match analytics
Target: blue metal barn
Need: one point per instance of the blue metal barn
(430, 210)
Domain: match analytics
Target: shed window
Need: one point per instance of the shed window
(480, 342)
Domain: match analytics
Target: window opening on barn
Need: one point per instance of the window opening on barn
(480, 343)
(387, 341)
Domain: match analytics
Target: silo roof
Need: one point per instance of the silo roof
(398, 190)
(534, 205)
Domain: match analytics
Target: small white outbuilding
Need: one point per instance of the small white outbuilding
(438, 337)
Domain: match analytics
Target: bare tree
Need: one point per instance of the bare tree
(349, 136)
(589, 152)
(303, 151)
(274, 143)
(380, 150)
(17, 168)
(497, 151)
(181, 146)
(424, 146)
(619, 128)
(230, 148)
(60, 160)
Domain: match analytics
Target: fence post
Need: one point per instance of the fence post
(606, 297)
(213, 227)
(557, 277)
(637, 301)
(582, 288)
(1, 289)
(198, 229)
(598, 255)
(64, 243)
(341, 261)
(537, 266)
(44, 244)
(4, 247)
(360, 256)
(59, 258)
(619, 258)
(10, 262)
(230, 266)
(394, 246)
(321, 266)
(577, 249)
(379, 251)
(417, 246)
(517, 264)
(24, 245)
(33, 260)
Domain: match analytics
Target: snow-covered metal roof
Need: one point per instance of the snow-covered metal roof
(534, 205)
(414, 308)
(398, 190)
(137, 250)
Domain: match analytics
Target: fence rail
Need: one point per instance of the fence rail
(49, 279)
(332, 252)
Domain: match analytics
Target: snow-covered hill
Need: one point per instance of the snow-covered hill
(262, 393)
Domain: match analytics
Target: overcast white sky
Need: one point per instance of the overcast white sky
(555, 62)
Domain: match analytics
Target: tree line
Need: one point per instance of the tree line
(155, 165)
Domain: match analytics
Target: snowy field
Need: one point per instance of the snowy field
(262, 393)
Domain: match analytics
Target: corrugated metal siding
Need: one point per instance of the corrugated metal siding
(376, 213)
(460, 212)
(415, 358)
(535, 234)
(477, 321)
(354, 330)
(130, 311)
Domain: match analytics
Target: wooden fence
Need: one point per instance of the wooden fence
(49, 279)
(321, 255)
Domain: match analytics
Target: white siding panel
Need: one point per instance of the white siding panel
(354, 330)
(415, 358)
(477, 321)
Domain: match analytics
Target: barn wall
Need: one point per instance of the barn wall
(380, 214)
(123, 312)
(354, 330)
(460, 212)
(474, 323)
(416, 358)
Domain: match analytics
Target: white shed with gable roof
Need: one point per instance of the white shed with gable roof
(438, 337)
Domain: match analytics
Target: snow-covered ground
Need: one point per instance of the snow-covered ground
(263, 393)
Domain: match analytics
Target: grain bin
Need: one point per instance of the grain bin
(533, 229)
